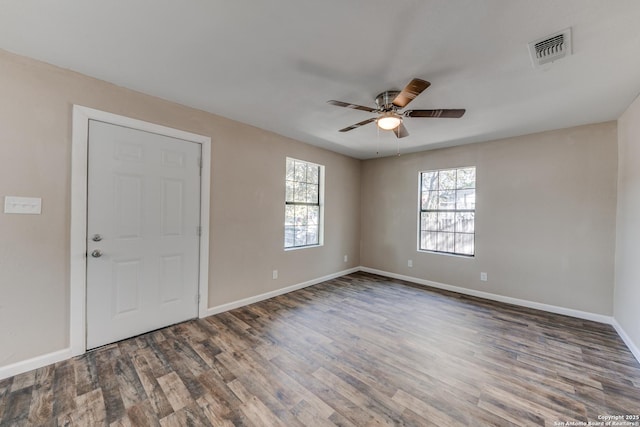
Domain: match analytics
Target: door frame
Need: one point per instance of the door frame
(78, 226)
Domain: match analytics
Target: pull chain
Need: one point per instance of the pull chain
(377, 140)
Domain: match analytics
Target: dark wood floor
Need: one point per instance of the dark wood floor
(355, 351)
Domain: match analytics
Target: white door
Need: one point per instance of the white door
(142, 232)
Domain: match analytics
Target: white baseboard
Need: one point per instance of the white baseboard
(627, 340)
(34, 363)
(64, 354)
(257, 298)
(60, 355)
(495, 297)
(610, 320)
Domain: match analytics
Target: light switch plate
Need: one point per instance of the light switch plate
(23, 205)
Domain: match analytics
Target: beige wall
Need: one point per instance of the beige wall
(546, 209)
(545, 217)
(627, 287)
(247, 200)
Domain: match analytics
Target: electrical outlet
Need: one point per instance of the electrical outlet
(410, 263)
(275, 274)
(346, 258)
(483, 276)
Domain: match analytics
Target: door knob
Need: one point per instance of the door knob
(96, 238)
(97, 253)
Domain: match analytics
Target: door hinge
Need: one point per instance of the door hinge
(198, 298)
(200, 165)
(199, 230)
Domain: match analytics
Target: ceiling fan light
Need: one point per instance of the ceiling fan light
(389, 122)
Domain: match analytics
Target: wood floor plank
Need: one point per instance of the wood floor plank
(426, 410)
(41, 409)
(23, 380)
(142, 415)
(64, 388)
(153, 391)
(258, 413)
(108, 381)
(308, 415)
(252, 385)
(382, 410)
(219, 395)
(187, 416)
(131, 389)
(358, 350)
(217, 413)
(175, 390)
(17, 407)
(86, 373)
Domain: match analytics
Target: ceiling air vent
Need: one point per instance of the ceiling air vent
(550, 48)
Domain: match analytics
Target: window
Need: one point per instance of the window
(447, 211)
(303, 204)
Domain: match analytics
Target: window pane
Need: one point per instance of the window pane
(429, 181)
(466, 178)
(446, 221)
(301, 215)
(313, 215)
(447, 179)
(300, 193)
(289, 233)
(428, 240)
(312, 235)
(300, 172)
(312, 193)
(429, 221)
(290, 170)
(423, 240)
(465, 222)
(289, 215)
(466, 199)
(447, 200)
(300, 236)
(445, 242)
(430, 200)
(290, 192)
(464, 244)
(313, 174)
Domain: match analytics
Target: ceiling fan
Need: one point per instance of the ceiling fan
(389, 105)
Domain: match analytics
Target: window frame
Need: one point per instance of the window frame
(319, 204)
(454, 211)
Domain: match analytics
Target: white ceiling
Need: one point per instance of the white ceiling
(274, 64)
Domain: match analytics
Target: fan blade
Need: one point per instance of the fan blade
(452, 114)
(352, 106)
(357, 125)
(401, 131)
(413, 89)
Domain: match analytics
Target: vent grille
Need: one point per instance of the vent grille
(550, 48)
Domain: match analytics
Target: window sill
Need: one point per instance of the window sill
(296, 248)
(447, 254)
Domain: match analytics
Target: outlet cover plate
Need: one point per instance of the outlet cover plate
(22, 205)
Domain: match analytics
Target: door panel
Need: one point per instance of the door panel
(172, 207)
(126, 286)
(171, 272)
(144, 202)
(128, 209)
